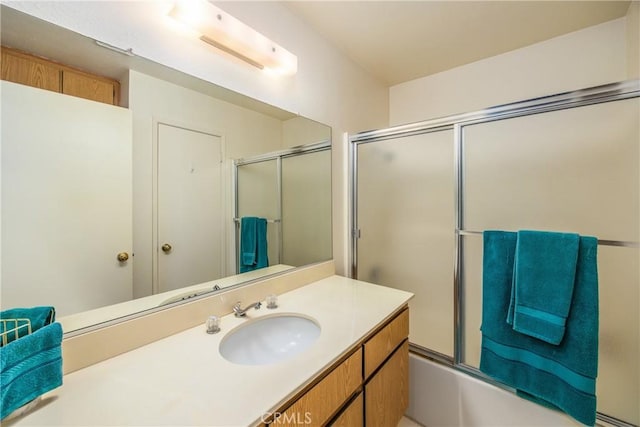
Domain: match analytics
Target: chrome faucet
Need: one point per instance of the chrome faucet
(241, 312)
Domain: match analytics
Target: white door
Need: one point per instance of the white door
(66, 201)
(189, 206)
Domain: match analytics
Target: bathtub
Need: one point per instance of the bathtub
(440, 396)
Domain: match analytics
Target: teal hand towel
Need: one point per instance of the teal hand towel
(248, 242)
(563, 376)
(253, 244)
(29, 367)
(543, 278)
(262, 257)
(37, 316)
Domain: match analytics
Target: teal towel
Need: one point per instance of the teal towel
(253, 244)
(562, 376)
(543, 278)
(38, 316)
(29, 367)
(248, 242)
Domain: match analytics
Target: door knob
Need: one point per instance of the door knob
(123, 256)
(166, 248)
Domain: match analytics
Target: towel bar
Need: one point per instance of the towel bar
(622, 243)
(270, 221)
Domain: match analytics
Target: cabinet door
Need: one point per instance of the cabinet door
(325, 399)
(21, 69)
(353, 415)
(387, 393)
(378, 348)
(83, 86)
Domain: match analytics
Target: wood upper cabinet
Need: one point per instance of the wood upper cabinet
(20, 68)
(23, 68)
(88, 87)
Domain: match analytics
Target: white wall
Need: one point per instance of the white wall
(300, 131)
(328, 87)
(589, 57)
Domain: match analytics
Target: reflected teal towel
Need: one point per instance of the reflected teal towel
(29, 367)
(564, 375)
(543, 277)
(253, 244)
(39, 317)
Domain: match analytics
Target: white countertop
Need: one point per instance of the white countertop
(182, 380)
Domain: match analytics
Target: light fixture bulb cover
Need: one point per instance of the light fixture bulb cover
(222, 30)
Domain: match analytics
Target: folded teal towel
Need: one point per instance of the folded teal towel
(38, 317)
(562, 376)
(29, 367)
(253, 244)
(543, 278)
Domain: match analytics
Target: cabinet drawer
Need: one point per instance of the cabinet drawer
(353, 415)
(377, 348)
(387, 393)
(320, 403)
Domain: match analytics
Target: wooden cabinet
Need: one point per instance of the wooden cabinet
(368, 388)
(386, 373)
(387, 393)
(325, 399)
(19, 68)
(353, 414)
(382, 344)
(23, 68)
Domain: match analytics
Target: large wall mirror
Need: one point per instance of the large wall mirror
(109, 211)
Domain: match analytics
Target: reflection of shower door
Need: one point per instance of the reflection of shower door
(306, 208)
(189, 207)
(258, 194)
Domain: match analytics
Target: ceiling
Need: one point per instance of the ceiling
(398, 41)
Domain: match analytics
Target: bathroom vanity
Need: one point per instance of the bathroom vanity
(354, 373)
(370, 387)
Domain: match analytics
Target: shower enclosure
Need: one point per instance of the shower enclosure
(423, 194)
(292, 190)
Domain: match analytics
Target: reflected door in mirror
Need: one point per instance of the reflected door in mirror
(190, 208)
(66, 201)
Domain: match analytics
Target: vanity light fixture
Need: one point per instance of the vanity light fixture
(232, 36)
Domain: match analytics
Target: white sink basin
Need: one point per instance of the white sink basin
(269, 339)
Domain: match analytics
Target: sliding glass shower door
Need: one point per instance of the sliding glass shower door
(405, 218)
(424, 194)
